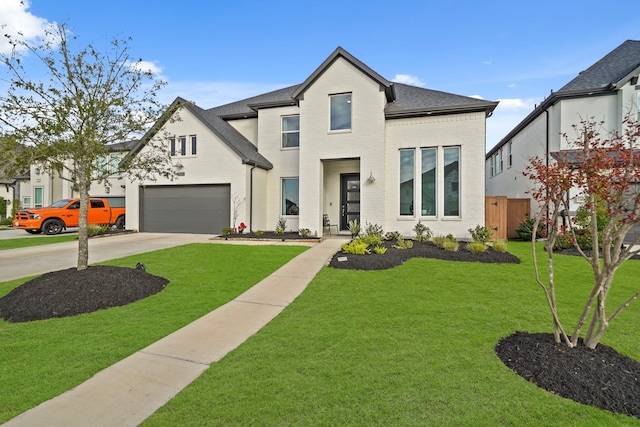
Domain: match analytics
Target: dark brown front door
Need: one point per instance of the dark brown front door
(350, 199)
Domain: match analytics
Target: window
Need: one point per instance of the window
(452, 181)
(172, 143)
(340, 112)
(290, 131)
(183, 145)
(290, 191)
(194, 144)
(510, 158)
(26, 202)
(429, 183)
(496, 163)
(96, 203)
(406, 181)
(37, 197)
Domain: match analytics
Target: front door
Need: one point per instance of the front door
(350, 199)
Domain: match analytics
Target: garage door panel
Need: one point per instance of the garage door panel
(185, 208)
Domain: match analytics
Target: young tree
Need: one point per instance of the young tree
(64, 122)
(605, 172)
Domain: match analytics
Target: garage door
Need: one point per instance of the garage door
(202, 209)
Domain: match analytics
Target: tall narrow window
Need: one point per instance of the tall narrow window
(183, 145)
(407, 165)
(340, 112)
(429, 181)
(290, 131)
(194, 145)
(290, 191)
(510, 162)
(26, 202)
(452, 181)
(172, 143)
(38, 197)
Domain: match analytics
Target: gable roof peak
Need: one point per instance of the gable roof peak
(340, 52)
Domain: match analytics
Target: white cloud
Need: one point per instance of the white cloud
(516, 104)
(488, 62)
(146, 66)
(408, 79)
(16, 21)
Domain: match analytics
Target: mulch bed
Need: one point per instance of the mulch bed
(268, 235)
(394, 257)
(601, 377)
(71, 292)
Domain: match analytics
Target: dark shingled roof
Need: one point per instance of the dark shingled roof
(607, 75)
(403, 101)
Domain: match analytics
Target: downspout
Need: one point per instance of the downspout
(251, 198)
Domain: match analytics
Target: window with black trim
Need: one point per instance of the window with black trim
(290, 131)
(340, 106)
(290, 192)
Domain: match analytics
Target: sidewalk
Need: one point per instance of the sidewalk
(128, 392)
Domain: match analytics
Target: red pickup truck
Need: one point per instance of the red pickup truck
(66, 213)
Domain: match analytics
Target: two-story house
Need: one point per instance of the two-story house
(607, 91)
(346, 143)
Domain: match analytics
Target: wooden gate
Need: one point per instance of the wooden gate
(517, 211)
(495, 216)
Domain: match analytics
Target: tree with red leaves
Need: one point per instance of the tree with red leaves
(602, 170)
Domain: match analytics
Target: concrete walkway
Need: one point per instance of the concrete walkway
(128, 392)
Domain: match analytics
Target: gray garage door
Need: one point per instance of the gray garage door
(200, 209)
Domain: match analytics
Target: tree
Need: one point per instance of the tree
(605, 172)
(64, 122)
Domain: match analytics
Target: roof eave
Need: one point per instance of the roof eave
(458, 109)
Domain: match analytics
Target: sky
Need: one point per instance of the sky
(213, 52)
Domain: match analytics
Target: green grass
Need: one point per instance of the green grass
(35, 241)
(42, 359)
(409, 346)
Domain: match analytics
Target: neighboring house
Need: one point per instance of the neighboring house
(606, 91)
(7, 190)
(346, 142)
(39, 188)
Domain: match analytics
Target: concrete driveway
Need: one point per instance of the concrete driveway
(23, 262)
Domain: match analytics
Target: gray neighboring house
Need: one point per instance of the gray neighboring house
(607, 90)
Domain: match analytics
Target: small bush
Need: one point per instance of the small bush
(6, 221)
(258, 232)
(480, 234)
(355, 247)
(564, 240)
(227, 230)
(380, 250)
(304, 232)
(371, 240)
(477, 247)
(94, 229)
(392, 235)
(423, 233)
(373, 230)
(403, 244)
(500, 246)
(354, 228)
(281, 226)
(525, 229)
(450, 245)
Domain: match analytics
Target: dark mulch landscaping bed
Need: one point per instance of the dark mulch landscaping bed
(70, 292)
(601, 377)
(269, 235)
(394, 256)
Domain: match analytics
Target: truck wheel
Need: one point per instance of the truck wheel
(120, 222)
(36, 231)
(52, 226)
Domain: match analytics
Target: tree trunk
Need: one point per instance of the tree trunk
(83, 233)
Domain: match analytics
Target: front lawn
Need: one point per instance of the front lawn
(42, 359)
(35, 241)
(413, 345)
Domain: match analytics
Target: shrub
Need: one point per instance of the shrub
(371, 240)
(440, 240)
(354, 228)
(355, 247)
(304, 232)
(564, 240)
(450, 245)
(477, 247)
(258, 232)
(423, 233)
(227, 230)
(95, 229)
(500, 246)
(281, 226)
(525, 229)
(480, 234)
(392, 235)
(373, 230)
(6, 221)
(380, 250)
(403, 244)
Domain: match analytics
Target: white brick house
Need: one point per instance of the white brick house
(608, 90)
(346, 142)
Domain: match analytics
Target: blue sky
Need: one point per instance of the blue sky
(213, 52)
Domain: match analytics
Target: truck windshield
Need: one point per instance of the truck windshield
(60, 203)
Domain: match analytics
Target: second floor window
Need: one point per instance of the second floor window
(179, 146)
(340, 112)
(290, 131)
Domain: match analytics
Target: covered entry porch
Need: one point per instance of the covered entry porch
(341, 192)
